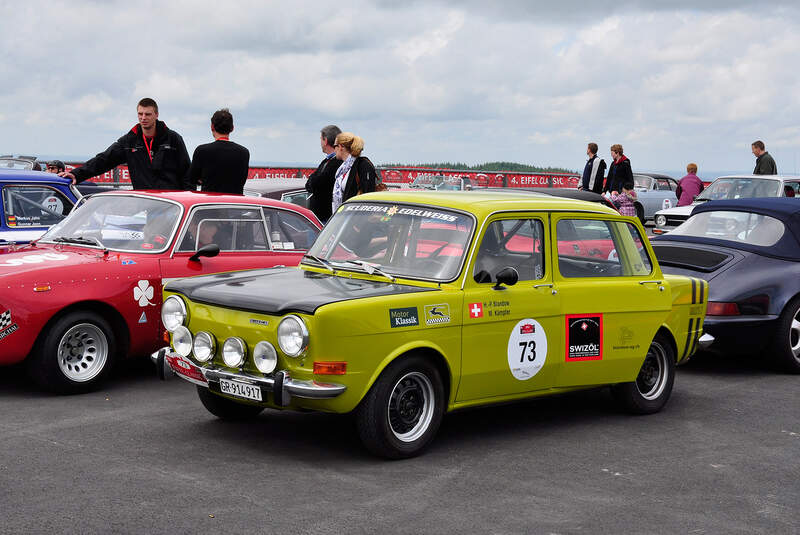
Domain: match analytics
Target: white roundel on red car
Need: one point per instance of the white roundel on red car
(527, 349)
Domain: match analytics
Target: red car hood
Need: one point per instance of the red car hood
(43, 259)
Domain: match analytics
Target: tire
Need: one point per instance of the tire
(640, 213)
(226, 409)
(402, 411)
(653, 386)
(785, 348)
(75, 355)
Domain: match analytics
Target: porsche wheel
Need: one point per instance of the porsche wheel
(401, 413)
(653, 386)
(75, 355)
(786, 344)
(226, 409)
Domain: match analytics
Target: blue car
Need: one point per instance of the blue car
(31, 202)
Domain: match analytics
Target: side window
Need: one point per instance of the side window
(513, 243)
(34, 206)
(791, 189)
(595, 248)
(673, 185)
(231, 228)
(289, 231)
(662, 184)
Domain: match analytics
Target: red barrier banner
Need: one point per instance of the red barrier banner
(391, 175)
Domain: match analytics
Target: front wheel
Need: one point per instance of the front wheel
(224, 408)
(653, 386)
(402, 411)
(786, 345)
(75, 355)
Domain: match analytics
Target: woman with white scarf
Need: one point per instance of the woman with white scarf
(356, 175)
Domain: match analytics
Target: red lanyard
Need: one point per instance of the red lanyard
(149, 147)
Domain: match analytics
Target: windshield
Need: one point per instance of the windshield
(737, 188)
(426, 181)
(12, 163)
(743, 227)
(124, 223)
(401, 240)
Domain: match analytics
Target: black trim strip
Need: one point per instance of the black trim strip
(694, 291)
(688, 338)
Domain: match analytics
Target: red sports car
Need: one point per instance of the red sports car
(89, 291)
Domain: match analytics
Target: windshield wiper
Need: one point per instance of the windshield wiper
(371, 268)
(82, 240)
(322, 262)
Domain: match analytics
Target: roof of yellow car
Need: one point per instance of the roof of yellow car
(480, 202)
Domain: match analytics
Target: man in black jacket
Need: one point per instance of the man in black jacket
(320, 182)
(220, 166)
(156, 156)
(765, 164)
(593, 171)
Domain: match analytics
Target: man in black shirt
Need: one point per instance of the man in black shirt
(320, 182)
(156, 156)
(220, 166)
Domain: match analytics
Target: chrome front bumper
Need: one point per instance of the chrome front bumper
(283, 387)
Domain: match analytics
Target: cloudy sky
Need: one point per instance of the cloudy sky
(524, 81)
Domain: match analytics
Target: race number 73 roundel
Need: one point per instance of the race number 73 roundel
(527, 349)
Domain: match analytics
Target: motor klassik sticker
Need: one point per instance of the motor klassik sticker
(403, 317)
(584, 337)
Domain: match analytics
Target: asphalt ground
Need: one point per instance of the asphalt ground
(144, 456)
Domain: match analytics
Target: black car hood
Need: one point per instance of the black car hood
(280, 291)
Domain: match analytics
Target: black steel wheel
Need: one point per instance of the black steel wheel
(401, 413)
(226, 409)
(653, 386)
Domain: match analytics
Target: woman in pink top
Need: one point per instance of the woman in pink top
(689, 186)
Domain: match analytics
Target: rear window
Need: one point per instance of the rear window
(742, 227)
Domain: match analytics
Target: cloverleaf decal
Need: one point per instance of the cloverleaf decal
(143, 293)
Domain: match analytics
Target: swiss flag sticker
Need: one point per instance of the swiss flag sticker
(476, 310)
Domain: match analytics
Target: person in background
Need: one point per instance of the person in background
(222, 165)
(689, 186)
(356, 175)
(765, 164)
(56, 166)
(156, 156)
(320, 182)
(619, 172)
(593, 171)
(626, 199)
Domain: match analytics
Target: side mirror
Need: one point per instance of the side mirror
(508, 276)
(212, 249)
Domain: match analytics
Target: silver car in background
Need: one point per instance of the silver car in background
(654, 192)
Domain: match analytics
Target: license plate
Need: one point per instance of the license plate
(240, 390)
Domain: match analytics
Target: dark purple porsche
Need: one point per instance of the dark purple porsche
(749, 252)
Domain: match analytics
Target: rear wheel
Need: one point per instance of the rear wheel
(402, 411)
(75, 355)
(786, 344)
(640, 213)
(653, 386)
(225, 408)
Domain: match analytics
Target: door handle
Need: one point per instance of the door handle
(660, 286)
(553, 291)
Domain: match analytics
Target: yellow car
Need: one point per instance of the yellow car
(412, 304)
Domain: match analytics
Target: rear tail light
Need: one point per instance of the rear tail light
(715, 308)
(330, 368)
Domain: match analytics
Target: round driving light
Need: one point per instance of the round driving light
(173, 313)
(233, 351)
(265, 357)
(661, 220)
(203, 346)
(292, 335)
(182, 341)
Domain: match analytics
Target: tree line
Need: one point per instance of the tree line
(492, 167)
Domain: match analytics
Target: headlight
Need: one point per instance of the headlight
(292, 335)
(661, 220)
(233, 352)
(265, 357)
(173, 313)
(204, 346)
(182, 341)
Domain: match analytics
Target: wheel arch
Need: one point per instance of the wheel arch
(670, 337)
(428, 351)
(111, 314)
